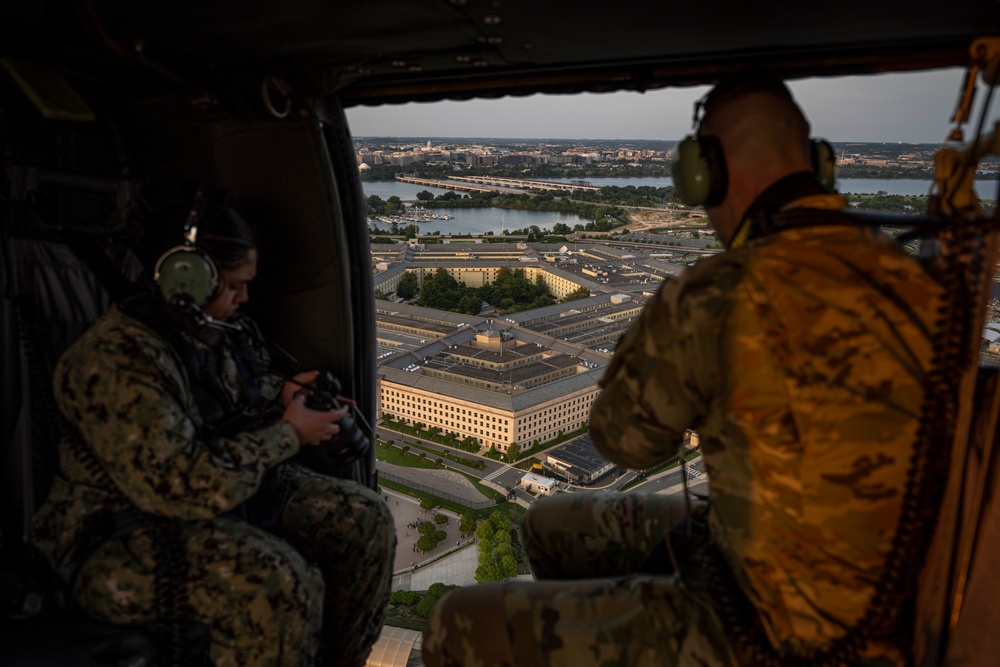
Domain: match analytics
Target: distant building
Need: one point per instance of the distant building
(578, 461)
(530, 378)
(533, 483)
(492, 382)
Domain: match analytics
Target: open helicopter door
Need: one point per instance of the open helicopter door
(957, 620)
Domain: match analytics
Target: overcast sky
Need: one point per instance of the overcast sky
(911, 107)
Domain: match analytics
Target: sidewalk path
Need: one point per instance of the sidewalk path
(406, 511)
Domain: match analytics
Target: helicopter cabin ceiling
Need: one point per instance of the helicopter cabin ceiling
(392, 51)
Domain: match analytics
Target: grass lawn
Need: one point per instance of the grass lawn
(396, 456)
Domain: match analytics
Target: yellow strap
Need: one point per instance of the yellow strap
(821, 201)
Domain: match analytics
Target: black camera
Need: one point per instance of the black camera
(351, 443)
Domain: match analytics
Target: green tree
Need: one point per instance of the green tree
(394, 206)
(426, 503)
(579, 293)
(467, 524)
(514, 452)
(500, 523)
(508, 566)
(485, 531)
(407, 288)
(434, 593)
(409, 598)
(470, 304)
(425, 195)
(487, 572)
(440, 290)
(495, 549)
(375, 205)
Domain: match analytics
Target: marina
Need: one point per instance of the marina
(414, 214)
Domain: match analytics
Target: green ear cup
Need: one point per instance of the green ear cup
(699, 171)
(186, 273)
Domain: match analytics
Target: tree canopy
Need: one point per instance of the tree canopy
(510, 292)
(376, 206)
(408, 287)
(497, 561)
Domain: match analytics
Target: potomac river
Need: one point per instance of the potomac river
(482, 220)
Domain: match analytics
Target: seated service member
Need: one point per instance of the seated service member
(176, 420)
(799, 355)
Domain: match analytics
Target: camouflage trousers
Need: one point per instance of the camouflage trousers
(268, 599)
(595, 602)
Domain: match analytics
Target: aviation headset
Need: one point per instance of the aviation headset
(699, 165)
(187, 274)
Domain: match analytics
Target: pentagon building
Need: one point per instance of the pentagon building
(528, 376)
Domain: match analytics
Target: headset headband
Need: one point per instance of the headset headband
(188, 273)
(750, 80)
(194, 217)
(699, 167)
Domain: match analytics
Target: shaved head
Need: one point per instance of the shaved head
(758, 126)
(764, 137)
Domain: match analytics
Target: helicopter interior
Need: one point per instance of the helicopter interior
(110, 109)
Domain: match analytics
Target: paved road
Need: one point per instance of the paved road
(668, 482)
(507, 476)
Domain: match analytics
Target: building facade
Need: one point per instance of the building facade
(493, 386)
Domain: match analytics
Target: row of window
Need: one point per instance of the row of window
(545, 423)
(401, 398)
(548, 421)
(446, 416)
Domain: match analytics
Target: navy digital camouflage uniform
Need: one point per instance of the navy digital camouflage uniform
(800, 359)
(126, 392)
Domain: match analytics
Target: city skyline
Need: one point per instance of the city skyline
(913, 107)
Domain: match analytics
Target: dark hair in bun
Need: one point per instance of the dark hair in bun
(227, 237)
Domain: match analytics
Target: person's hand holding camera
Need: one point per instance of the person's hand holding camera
(314, 427)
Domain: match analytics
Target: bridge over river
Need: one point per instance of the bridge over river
(491, 183)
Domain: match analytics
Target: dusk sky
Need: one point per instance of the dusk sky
(908, 107)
